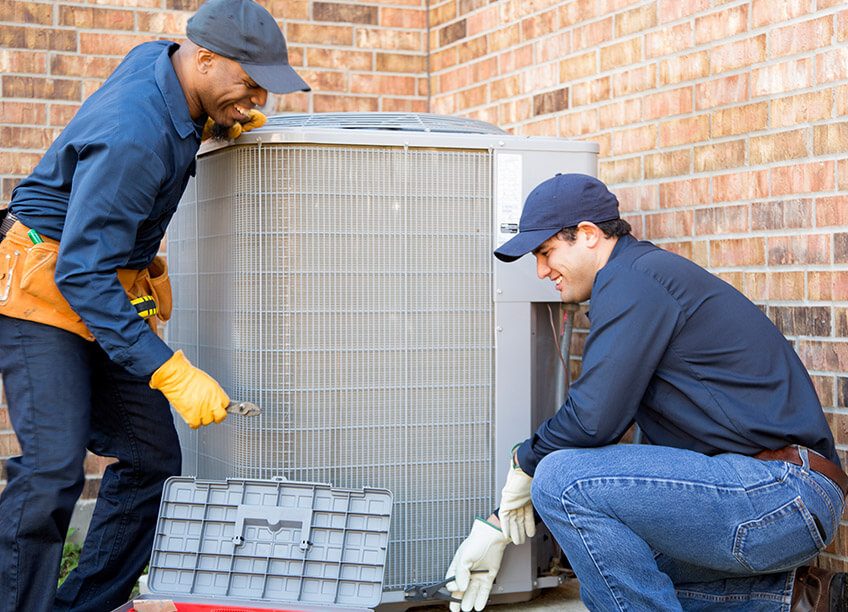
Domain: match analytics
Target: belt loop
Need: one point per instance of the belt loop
(805, 458)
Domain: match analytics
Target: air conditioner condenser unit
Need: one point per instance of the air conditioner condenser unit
(337, 270)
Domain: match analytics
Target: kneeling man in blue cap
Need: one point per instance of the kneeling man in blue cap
(739, 484)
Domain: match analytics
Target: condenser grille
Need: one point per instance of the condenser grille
(347, 291)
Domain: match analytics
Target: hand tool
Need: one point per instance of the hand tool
(426, 592)
(244, 408)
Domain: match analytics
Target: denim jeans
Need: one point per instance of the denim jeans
(655, 528)
(65, 395)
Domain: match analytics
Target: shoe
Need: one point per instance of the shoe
(819, 590)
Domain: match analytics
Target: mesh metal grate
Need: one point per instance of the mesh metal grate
(411, 122)
(347, 291)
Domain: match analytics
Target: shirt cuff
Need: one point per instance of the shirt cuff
(144, 356)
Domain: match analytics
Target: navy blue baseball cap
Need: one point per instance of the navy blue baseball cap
(245, 32)
(560, 202)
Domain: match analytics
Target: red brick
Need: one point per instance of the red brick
(399, 62)
(61, 114)
(483, 70)
(842, 26)
(636, 20)
(516, 59)
(165, 24)
(803, 108)
(540, 77)
(672, 10)
(332, 104)
(803, 178)
(506, 87)
(777, 286)
(474, 96)
(634, 81)
(471, 49)
(668, 103)
(37, 138)
(827, 285)
(337, 35)
(15, 37)
(668, 224)
(578, 123)
(504, 38)
(515, 111)
(798, 250)
(625, 53)
(444, 105)
(553, 47)
(83, 65)
(733, 278)
(402, 105)
(538, 25)
(403, 18)
(641, 197)
(382, 84)
(800, 37)
(721, 220)
(778, 78)
(684, 131)
(327, 57)
(767, 12)
(617, 171)
(779, 147)
(685, 68)
(832, 210)
(30, 13)
(721, 25)
(830, 138)
(842, 170)
(347, 13)
(443, 59)
(722, 92)
(752, 185)
(109, 44)
(576, 67)
(542, 127)
(668, 40)
(453, 32)
(823, 355)
(289, 10)
(550, 101)
(689, 192)
(832, 65)
(719, 156)
(668, 163)
(782, 214)
(621, 112)
(593, 34)
(454, 79)
(37, 87)
(642, 138)
(738, 54)
(392, 40)
(483, 21)
(740, 119)
(326, 80)
(590, 92)
(733, 252)
(443, 13)
(573, 13)
(86, 17)
(684, 249)
(13, 60)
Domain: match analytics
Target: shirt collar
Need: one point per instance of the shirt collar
(172, 93)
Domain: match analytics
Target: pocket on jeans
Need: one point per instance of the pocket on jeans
(780, 540)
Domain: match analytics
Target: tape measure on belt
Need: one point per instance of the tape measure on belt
(145, 306)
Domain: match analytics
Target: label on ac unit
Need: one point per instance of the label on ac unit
(508, 193)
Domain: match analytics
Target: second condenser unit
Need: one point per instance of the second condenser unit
(337, 270)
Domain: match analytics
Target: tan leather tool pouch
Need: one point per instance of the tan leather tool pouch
(28, 284)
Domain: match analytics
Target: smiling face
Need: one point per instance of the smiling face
(226, 92)
(572, 265)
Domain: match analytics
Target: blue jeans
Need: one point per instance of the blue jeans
(655, 528)
(65, 395)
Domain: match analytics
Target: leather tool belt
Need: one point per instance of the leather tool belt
(28, 287)
(819, 464)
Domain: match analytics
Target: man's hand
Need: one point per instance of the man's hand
(516, 510)
(482, 550)
(193, 393)
(254, 119)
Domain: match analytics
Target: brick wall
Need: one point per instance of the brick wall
(722, 124)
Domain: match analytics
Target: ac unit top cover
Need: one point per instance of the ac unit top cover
(395, 129)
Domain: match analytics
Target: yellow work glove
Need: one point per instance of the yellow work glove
(192, 392)
(254, 119)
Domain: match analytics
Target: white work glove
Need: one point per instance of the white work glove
(516, 510)
(481, 552)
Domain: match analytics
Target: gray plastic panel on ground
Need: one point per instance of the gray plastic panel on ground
(272, 541)
(411, 122)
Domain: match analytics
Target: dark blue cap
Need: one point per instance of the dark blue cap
(560, 202)
(245, 32)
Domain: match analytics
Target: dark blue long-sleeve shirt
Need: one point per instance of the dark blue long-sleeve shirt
(107, 188)
(690, 359)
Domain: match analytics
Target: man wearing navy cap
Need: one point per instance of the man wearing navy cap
(82, 365)
(739, 483)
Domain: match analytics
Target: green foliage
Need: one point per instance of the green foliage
(70, 556)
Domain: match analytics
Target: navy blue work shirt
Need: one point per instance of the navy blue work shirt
(694, 362)
(107, 188)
